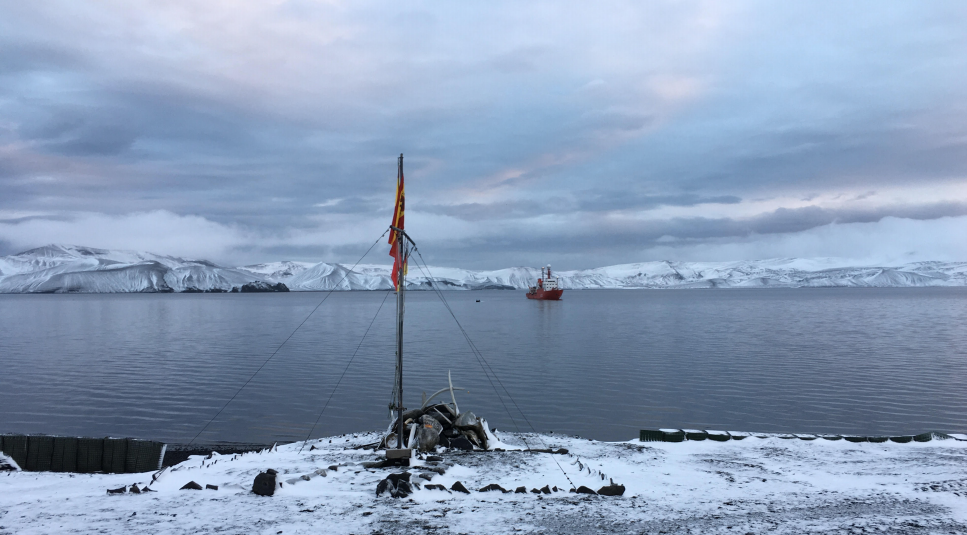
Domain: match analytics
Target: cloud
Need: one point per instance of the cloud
(600, 128)
(889, 241)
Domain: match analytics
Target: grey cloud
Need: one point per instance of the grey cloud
(562, 111)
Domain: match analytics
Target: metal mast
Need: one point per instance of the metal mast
(403, 242)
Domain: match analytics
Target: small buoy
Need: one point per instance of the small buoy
(478, 300)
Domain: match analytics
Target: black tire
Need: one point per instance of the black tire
(700, 435)
(649, 435)
(855, 439)
(878, 440)
(902, 439)
(923, 437)
(672, 436)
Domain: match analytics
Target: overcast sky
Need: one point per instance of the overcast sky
(581, 134)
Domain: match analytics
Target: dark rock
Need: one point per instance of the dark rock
(428, 433)
(120, 490)
(333, 468)
(396, 478)
(535, 491)
(191, 485)
(612, 490)
(554, 488)
(435, 469)
(521, 490)
(312, 448)
(403, 489)
(435, 487)
(147, 489)
(395, 485)
(134, 489)
(259, 286)
(385, 486)
(427, 475)
(584, 490)
(211, 487)
(434, 459)
(461, 443)
(264, 484)
(493, 486)
(458, 487)
(545, 489)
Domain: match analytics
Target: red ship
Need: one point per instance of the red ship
(546, 288)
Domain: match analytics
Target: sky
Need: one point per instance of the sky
(580, 134)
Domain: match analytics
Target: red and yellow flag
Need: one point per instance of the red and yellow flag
(398, 223)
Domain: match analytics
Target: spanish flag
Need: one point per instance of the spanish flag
(398, 223)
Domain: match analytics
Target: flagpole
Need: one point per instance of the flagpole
(400, 288)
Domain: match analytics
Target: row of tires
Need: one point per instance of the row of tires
(41, 453)
(681, 435)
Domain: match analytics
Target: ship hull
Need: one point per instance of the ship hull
(545, 295)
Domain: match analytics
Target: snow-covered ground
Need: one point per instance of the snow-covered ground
(754, 485)
(67, 268)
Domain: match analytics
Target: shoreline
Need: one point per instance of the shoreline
(756, 484)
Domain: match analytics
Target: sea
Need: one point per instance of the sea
(600, 364)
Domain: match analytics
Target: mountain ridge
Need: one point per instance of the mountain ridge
(76, 269)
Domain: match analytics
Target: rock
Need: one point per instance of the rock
(545, 489)
(120, 490)
(134, 489)
(434, 459)
(395, 485)
(259, 286)
(584, 490)
(428, 433)
(466, 420)
(493, 486)
(435, 487)
(612, 490)
(211, 487)
(147, 489)
(521, 490)
(427, 475)
(461, 444)
(320, 472)
(264, 484)
(191, 485)
(312, 448)
(535, 491)
(385, 486)
(554, 488)
(333, 468)
(472, 436)
(396, 478)
(458, 487)
(435, 469)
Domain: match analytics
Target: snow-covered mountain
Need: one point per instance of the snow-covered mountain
(65, 269)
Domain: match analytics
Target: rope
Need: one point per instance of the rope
(484, 365)
(274, 353)
(344, 372)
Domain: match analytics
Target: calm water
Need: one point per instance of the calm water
(600, 364)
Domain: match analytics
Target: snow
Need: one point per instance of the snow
(63, 269)
(754, 485)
